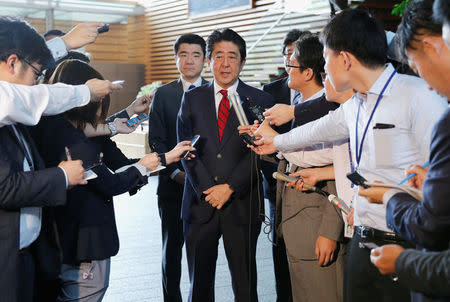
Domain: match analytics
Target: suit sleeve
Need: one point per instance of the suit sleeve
(312, 110)
(157, 130)
(332, 225)
(112, 184)
(20, 189)
(197, 174)
(426, 272)
(427, 223)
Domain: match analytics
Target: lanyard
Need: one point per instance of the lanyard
(359, 150)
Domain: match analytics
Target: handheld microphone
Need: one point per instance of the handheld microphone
(287, 178)
(236, 102)
(339, 204)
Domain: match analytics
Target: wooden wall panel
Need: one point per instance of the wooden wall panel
(149, 39)
(170, 18)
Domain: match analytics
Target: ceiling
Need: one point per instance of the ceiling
(72, 10)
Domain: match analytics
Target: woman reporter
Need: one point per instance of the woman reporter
(86, 225)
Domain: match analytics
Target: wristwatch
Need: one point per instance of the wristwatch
(113, 128)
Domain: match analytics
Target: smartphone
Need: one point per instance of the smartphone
(357, 179)
(103, 29)
(121, 82)
(194, 140)
(258, 111)
(137, 120)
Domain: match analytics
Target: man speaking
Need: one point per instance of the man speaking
(221, 190)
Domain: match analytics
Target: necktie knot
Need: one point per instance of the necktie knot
(192, 86)
(224, 92)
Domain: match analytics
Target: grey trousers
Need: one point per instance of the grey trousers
(86, 282)
(311, 283)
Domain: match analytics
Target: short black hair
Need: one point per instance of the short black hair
(189, 39)
(417, 20)
(357, 32)
(309, 53)
(441, 11)
(54, 32)
(225, 35)
(76, 72)
(292, 36)
(20, 38)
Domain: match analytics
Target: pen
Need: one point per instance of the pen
(413, 174)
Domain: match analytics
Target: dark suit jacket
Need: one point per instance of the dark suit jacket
(281, 94)
(18, 189)
(217, 162)
(86, 224)
(304, 112)
(162, 133)
(427, 223)
(425, 272)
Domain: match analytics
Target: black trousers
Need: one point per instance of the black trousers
(240, 248)
(279, 256)
(363, 281)
(172, 247)
(26, 275)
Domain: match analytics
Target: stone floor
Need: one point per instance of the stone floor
(136, 270)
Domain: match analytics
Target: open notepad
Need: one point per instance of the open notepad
(417, 194)
(159, 168)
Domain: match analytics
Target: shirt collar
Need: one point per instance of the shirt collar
(381, 81)
(231, 90)
(316, 95)
(186, 84)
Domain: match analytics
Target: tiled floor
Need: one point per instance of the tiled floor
(136, 270)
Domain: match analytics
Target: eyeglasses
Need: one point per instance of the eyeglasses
(293, 66)
(37, 72)
(323, 75)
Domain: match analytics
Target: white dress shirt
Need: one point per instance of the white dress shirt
(26, 104)
(218, 95)
(187, 84)
(407, 104)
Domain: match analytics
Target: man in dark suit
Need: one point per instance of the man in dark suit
(26, 186)
(222, 185)
(190, 57)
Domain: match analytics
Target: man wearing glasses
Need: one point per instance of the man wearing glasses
(26, 186)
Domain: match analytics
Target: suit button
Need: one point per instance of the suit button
(219, 156)
(216, 178)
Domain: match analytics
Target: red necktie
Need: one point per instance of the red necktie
(224, 111)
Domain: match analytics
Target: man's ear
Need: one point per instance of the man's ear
(11, 62)
(346, 58)
(242, 65)
(434, 44)
(309, 74)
